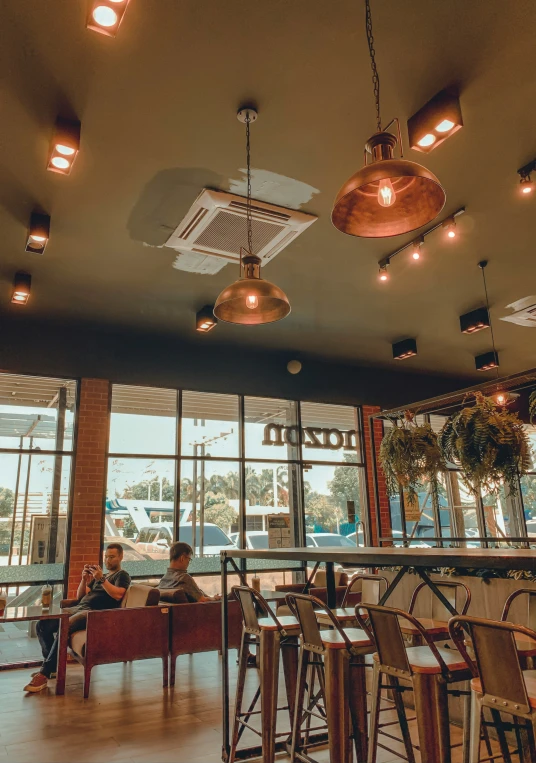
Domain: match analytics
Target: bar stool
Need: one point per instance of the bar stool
(436, 626)
(526, 647)
(274, 636)
(429, 670)
(343, 651)
(371, 587)
(499, 682)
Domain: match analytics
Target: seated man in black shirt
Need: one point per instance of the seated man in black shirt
(180, 556)
(96, 591)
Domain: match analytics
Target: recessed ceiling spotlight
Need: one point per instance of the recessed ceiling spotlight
(205, 320)
(383, 275)
(487, 361)
(105, 16)
(407, 348)
(64, 146)
(22, 285)
(416, 248)
(474, 321)
(440, 118)
(38, 233)
(450, 227)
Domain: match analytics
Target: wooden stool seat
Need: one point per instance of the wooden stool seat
(422, 660)
(530, 683)
(432, 627)
(288, 622)
(343, 614)
(525, 645)
(334, 640)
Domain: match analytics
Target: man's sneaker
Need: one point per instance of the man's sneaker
(37, 672)
(38, 683)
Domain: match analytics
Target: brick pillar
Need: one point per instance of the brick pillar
(385, 515)
(87, 514)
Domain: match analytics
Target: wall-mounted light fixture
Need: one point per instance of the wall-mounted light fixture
(525, 182)
(64, 147)
(407, 348)
(383, 275)
(474, 321)
(487, 361)
(22, 286)
(440, 118)
(105, 16)
(205, 320)
(38, 233)
(449, 226)
(416, 248)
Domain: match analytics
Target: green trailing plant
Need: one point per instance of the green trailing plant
(488, 443)
(410, 455)
(532, 406)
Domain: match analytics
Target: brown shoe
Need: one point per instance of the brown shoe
(38, 683)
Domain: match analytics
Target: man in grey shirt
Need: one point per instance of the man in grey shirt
(177, 577)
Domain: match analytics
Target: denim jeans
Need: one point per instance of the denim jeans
(47, 633)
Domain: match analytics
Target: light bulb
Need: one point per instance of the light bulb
(383, 275)
(65, 150)
(105, 16)
(415, 254)
(60, 162)
(451, 233)
(427, 140)
(252, 301)
(38, 238)
(444, 126)
(386, 193)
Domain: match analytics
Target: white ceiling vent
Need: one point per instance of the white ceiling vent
(524, 312)
(214, 229)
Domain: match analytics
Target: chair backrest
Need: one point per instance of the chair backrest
(372, 588)
(457, 594)
(529, 618)
(247, 598)
(497, 659)
(387, 635)
(320, 579)
(139, 595)
(302, 606)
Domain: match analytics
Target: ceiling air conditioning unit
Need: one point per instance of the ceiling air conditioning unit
(524, 312)
(211, 234)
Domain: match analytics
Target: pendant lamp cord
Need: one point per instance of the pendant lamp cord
(372, 53)
(489, 318)
(248, 205)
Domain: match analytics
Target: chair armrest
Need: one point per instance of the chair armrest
(292, 587)
(126, 634)
(66, 603)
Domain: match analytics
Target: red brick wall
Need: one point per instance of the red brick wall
(385, 517)
(89, 477)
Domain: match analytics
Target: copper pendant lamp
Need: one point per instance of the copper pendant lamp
(251, 300)
(388, 196)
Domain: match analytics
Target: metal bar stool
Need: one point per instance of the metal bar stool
(499, 683)
(428, 669)
(343, 651)
(526, 647)
(274, 636)
(371, 587)
(436, 626)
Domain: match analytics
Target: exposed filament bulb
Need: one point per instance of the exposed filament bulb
(386, 193)
(252, 301)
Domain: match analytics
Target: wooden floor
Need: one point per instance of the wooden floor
(128, 716)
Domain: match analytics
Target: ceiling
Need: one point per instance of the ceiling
(157, 106)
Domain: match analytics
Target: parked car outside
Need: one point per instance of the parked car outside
(318, 540)
(155, 539)
(130, 552)
(255, 539)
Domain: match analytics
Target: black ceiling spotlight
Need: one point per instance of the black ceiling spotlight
(474, 321)
(22, 285)
(487, 361)
(205, 319)
(38, 233)
(407, 348)
(527, 185)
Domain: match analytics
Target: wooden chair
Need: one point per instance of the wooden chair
(368, 589)
(526, 647)
(436, 624)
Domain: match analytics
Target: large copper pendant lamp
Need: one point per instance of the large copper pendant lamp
(388, 196)
(251, 300)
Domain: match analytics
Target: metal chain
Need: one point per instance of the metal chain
(372, 53)
(248, 205)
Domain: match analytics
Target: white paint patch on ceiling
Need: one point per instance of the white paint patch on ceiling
(274, 189)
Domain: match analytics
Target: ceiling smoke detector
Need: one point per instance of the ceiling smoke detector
(214, 230)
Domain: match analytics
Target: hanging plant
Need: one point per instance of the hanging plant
(409, 455)
(488, 443)
(532, 406)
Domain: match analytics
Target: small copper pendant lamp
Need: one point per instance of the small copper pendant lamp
(251, 300)
(389, 196)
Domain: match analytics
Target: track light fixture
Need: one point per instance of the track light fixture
(205, 320)
(22, 285)
(388, 196)
(105, 16)
(503, 397)
(407, 348)
(38, 233)
(438, 119)
(450, 227)
(383, 275)
(251, 300)
(525, 182)
(416, 248)
(64, 146)
(475, 321)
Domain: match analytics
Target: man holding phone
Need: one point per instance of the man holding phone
(96, 591)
